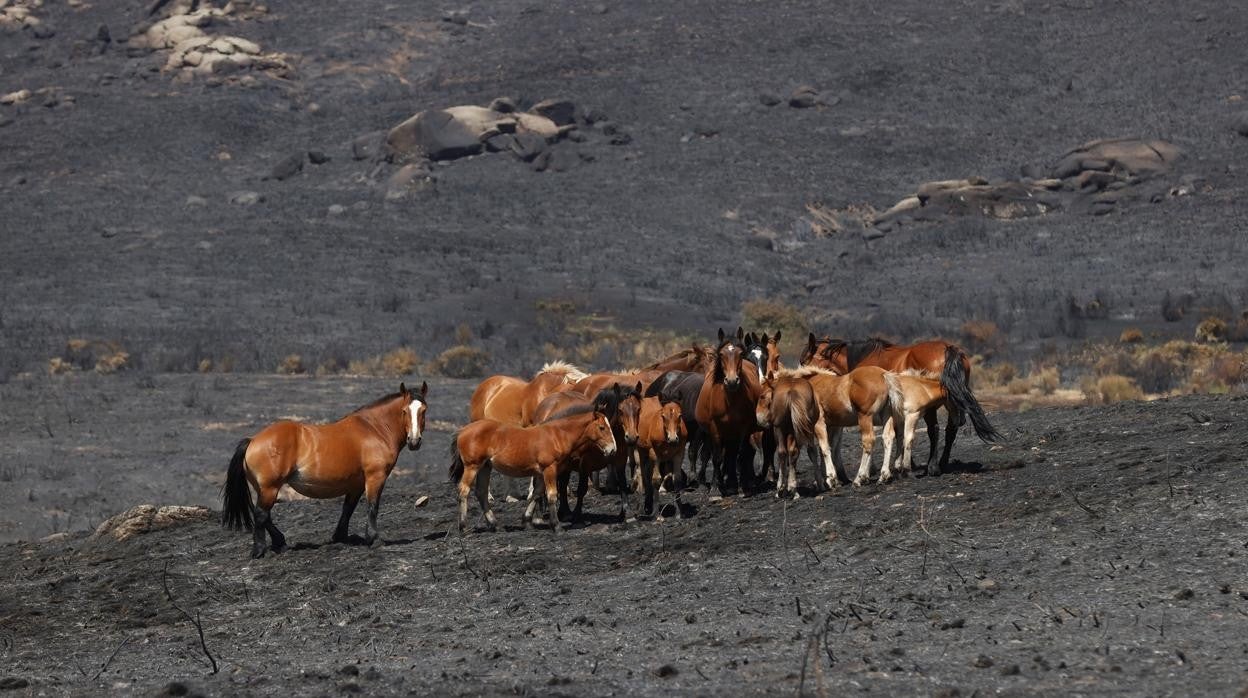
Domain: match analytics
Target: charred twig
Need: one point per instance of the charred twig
(195, 619)
(104, 666)
(484, 575)
(939, 549)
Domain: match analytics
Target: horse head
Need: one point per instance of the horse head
(414, 414)
(630, 413)
(728, 358)
(599, 432)
(758, 353)
(672, 420)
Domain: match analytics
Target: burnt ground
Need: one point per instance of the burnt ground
(1100, 550)
(116, 225)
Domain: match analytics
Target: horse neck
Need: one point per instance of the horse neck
(385, 420)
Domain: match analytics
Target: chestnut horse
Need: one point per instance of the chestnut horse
(513, 400)
(541, 451)
(660, 447)
(910, 395)
(859, 398)
(925, 358)
(684, 387)
(725, 410)
(621, 408)
(788, 407)
(348, 458)
(696, 359)
(594, 382)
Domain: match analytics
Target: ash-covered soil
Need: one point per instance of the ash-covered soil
(1099, 551)
(118, 224)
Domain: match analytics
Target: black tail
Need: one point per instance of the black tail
(456, 471)
(235, 499)
(956, 382)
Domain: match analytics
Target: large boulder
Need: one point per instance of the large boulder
(1125, 157)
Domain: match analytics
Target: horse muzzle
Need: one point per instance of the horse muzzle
(630, 440)
(673, 439)
(732, 385)
(608, 450)
(414, 445)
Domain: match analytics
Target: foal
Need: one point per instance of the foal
(541, 451)
(661, 438)
(789, 408)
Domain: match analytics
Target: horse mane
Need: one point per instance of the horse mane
(804, 372)
(378, 402)
(857, 351)
(680, 354)
(571, 374)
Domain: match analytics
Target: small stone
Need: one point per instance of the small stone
(987, 584)
(194, 200)
(287, 167)
(560, 111)
(337, 209)
(102, 34)
(665, 671)
(1184, 594)
(16, 97)
(768, 99)
(12, 683)
(175, 688)
(1011, 670)
(318, 157)
(458, 17)
(1241, 125)
(246, 198)
(366, 146)
(527, 146)
(983, 661)
(804, 98)
(43, 31)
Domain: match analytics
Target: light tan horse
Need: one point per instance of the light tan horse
(348, 458)
(859, 398)
(911, 395)
(542, 451)
(660, 448)
(789, 408)
(513, 400)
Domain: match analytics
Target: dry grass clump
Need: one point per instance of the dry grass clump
(983, 337)
(995, 375)
(1047, 380)
(102, 356)
(770, 316)
(1115, 388)
(398, 362)
(1131, 335)
(462, 362)
(292, 365)
(1211, 329)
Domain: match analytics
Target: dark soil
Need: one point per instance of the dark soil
(1100, 550)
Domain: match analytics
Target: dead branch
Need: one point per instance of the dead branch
(104, 666)
(195, 619)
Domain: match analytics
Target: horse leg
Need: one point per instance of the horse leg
(838, 466)
(933, 438)
(745, 465)
(792, 450)
(907, 439)
(342, 531)
(582, 487)
(483, 498)
(865, 425)
(262, 523)
(769, 445)
(728, 466)
(550, 477)
(891, 427)
(618, 469)
(956, 419)
(529, 508)
(782, 473)
(821, 457)
(565, 479)
(466, 481)
(372, 496)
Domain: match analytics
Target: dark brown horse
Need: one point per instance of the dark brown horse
(725, 411)
(541, 451)
(348, 458)
(924, 358)
(512, 400)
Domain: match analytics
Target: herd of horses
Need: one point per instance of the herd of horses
(710, 405)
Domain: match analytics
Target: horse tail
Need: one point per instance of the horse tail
(896, 397)
(456, 471)
(803, 413)
(235, 498)
(955, 379)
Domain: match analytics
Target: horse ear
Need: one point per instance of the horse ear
(810, 343)
(403, 389)
(771, 376)
(776, 338)
(424, 389)
(766, 339)
(721, 335)
(637, 390)
(740, 333)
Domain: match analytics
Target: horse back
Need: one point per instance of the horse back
(498, 398)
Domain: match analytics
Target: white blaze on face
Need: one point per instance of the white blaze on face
(413, 432)
(756, 355)
(608, 450)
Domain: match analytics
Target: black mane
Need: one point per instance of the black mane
(607, 401)
(379, 401)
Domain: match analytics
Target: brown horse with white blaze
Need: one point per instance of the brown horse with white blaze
(541, 451)
(924, 358)
(349, 458)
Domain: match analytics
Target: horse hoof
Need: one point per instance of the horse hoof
(257, 553)
(279, 549)
(858, 483)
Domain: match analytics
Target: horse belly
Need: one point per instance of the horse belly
(317, 484)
